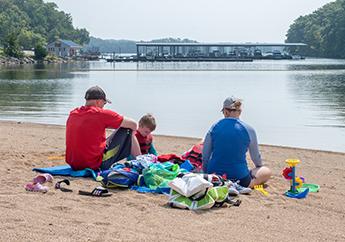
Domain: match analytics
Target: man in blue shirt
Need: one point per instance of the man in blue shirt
(226, 145)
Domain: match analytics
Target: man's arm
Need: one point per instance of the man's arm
(206, 152)
(254, 148)
(129, 123)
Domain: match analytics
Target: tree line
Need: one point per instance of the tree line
(32, 23)
(323, 31)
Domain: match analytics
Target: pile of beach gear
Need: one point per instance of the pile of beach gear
(170, 175)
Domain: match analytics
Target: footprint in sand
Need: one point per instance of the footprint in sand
(60, 208)
(102, 223)
(5, 204)
(136, 206)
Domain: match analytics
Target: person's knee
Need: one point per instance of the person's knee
(261, 175)
(265, 173)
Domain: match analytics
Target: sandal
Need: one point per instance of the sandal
(97, 192)
(63, 189)
(42, 178)
(38, 187)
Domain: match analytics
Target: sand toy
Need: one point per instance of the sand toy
(261, 189)
(295, 182)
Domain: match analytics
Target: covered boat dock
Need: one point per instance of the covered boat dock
(148, 51)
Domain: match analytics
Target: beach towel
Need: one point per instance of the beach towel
(66, 170)
(214, 196)
(143, 189)
(158, 175)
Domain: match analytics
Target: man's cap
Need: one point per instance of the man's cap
(229, 102)
(95, 93)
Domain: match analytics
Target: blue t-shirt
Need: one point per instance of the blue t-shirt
(225, 148)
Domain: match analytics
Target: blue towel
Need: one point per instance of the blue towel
(66, 170)
(142, 189)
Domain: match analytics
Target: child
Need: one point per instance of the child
(147, 124)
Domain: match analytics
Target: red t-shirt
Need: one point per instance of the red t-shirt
(144, 142)
(86, 137)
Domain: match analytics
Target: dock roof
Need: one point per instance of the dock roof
(222, 44)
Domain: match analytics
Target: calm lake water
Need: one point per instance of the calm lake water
(292, 103)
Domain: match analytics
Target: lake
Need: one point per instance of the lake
(299, 103)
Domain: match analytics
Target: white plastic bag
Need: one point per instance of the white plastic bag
(190, 184)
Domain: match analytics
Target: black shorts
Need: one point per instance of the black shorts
(245, 181)
(118, 147)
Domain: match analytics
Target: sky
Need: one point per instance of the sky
(264, 21)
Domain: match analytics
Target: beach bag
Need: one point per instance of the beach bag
(190, 184)
(118, 176)
(158, 175)
(213, 197)
(194, 155)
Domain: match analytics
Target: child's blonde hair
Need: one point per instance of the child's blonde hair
(148, 121)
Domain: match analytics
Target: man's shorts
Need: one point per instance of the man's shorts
(118, 147)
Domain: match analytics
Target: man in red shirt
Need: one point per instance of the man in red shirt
(86, 142)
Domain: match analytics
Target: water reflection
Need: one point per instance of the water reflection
(323, 93)
(42, 71)
(302, 100)
(30, 91)
(20, 97)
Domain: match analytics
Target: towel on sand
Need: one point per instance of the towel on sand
(66, 170)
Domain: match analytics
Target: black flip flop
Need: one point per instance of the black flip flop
(97, 192)
(58, 186)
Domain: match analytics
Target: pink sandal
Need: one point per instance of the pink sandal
(42, 178)
(36, 187)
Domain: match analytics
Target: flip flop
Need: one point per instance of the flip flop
(38, 187)
(97, 192)
(58, 186)
(42, 178)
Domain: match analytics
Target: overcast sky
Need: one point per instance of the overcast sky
(202, 20)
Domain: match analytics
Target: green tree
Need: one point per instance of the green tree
(323, 31)
(40, 52)
(28, 39)
(11, 46)
(37, 22)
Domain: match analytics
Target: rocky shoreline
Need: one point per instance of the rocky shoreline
(16, 61)
(4, 60)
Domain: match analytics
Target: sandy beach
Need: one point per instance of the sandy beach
(131, 216)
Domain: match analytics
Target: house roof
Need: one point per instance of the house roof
(69, 43)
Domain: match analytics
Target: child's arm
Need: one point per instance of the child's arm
(152, 150)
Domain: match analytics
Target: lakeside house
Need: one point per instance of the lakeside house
(64, 48)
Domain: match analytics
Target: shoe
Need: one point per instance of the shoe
(38, 187)
(242, 190)
(42, 178)
(233, 191)
(97, 192)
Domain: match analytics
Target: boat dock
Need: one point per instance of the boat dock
(210, 52)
